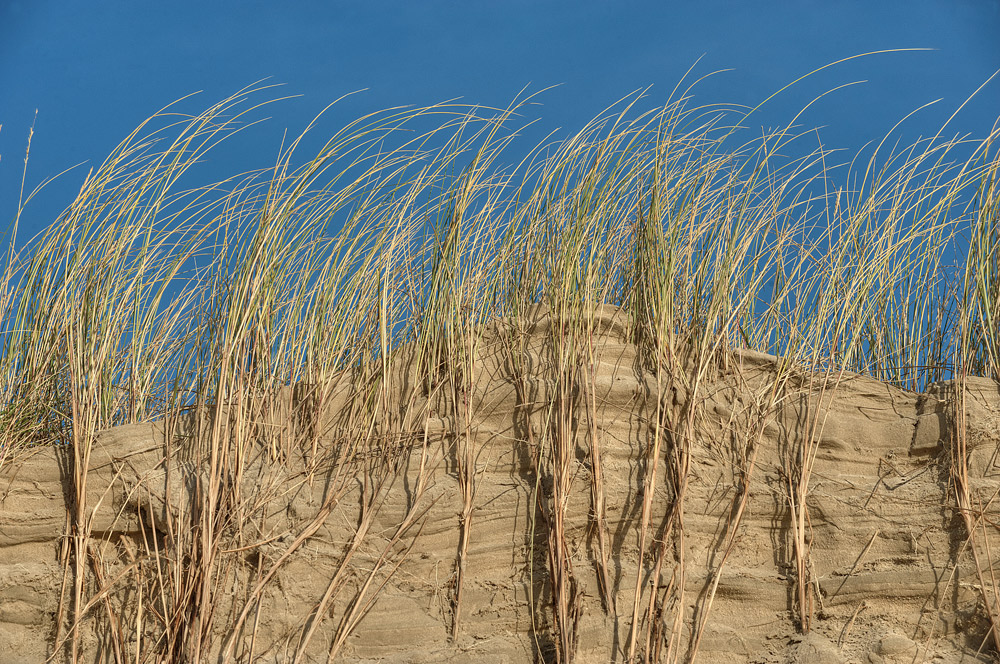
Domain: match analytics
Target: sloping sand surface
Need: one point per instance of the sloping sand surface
(376, 548)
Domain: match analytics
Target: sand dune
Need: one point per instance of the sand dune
(375, 546)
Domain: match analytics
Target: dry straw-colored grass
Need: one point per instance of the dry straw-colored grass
(142, 301)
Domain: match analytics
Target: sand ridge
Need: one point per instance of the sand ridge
(365, 556)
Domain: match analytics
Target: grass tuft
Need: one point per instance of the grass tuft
(208, 308)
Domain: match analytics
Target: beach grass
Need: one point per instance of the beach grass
(143, 300)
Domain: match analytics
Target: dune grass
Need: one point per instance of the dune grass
(141, 301)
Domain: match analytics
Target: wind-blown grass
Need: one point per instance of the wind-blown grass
(142, 300)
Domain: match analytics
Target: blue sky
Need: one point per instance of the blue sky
(94, 69)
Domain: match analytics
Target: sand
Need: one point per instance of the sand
(892, 579)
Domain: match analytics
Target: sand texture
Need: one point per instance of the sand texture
(326, 546)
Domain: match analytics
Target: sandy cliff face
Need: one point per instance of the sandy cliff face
(332, 549)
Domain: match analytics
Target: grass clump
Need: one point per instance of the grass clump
(142, 301)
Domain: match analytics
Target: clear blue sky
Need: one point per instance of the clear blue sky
(94, 69)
